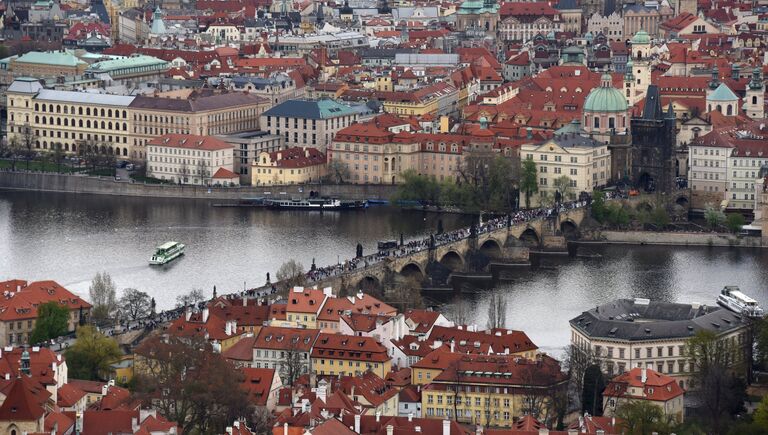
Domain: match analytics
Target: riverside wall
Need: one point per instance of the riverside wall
(679, 239)
(47, 182)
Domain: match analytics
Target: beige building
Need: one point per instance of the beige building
(308, 123)
(294, 165)
(188, 159)
(42, 64)
(639, 17)
(708, 172)
(585, 162)
(644, 385)
(657, 337)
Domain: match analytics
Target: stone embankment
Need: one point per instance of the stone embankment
(676, 239)
(48, 182)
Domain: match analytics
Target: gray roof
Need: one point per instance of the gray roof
(84, 97)
(574, 140)
(639, 320)
(197, 101)
(25, 85)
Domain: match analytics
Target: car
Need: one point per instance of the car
(129, 167)
(117, 178)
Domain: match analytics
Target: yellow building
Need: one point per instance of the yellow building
(492, 390)
(335, 354)
(289, 166)
(304, 306)
(585, 163)
(438, 99)
(123, 369)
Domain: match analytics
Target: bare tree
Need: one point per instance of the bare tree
(291, 273)
(135, 304)
(102, 293)
(459, 312)
(293, 363)
(194, 297)
(338, 171)
(497, 311)
(203, 171)
(578, 360)
(28, 141)
(14, 148)
(183, 171)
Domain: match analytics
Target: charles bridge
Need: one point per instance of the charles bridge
(504, 242)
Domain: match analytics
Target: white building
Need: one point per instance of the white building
(188, 159)
(612, 26)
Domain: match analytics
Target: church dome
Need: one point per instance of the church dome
(606, 98)
(641, 37)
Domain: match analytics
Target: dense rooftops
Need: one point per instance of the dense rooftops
(320, 109)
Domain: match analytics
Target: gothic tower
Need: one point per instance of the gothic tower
(754, 102)
(653, 145)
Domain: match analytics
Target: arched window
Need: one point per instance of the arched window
(597, 122)
(720, 108)
(109, 113)
(79, 110)
(729, 110)
(88, 111)
(611, 122)
(103, 125)
(88, 124)
(102, 113)
(125, 152)
(79, 122)
(37, 107)
(58, 109)
(37, 119)
(754, 99)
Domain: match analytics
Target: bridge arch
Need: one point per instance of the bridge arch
(682, 201)
(368, 284)
(491, 248)
(412, 270)
(569, 229)
(530, 237)
(452, 260)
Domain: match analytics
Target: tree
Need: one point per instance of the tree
(563, 185)
(417, 187)
(190, 384)
(760, 418)
(135, 304)
(405, 294)
(734, 222)
(592, 394)
(261, 421)
(92, 353)
(28, 141)
(291, 274)
(497, 311)
(529, 183)
(338, 171)
(293, 364)
(14, 148)
(102, 291)
(57, 156)
(714, 217)
(183, 171)
(203, 171)
(659, 216)
(641, 417)
(720, 392)
(52, 321)
(459, 312)
(194, 297)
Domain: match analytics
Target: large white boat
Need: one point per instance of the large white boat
(733, 299)
(167, 252)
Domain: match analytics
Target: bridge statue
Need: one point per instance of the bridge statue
(558, 197)
(401, 239)
(431, 241)
(473, 230)
(359, 251)
(509, 221)
(267, 277)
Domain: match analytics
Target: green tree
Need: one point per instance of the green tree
(714, 217)
(659, 216)
(563, 185)
(51, 322)
(760, 418)
(734, 222)
(616, 215)
(91, 355)
(14, 149)
(529, 183)
(761, 343)
(641, 418)
(598, 205)
(713, 364)
(500, 185)
(417, 187)
(592, 393)
(102, 292)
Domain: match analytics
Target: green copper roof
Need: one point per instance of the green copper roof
(722, 93)
(127, 62)
(477, 7)
(58, 58)
(605, 99)
(641, 37)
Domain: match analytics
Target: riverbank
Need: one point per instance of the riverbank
(64, 183)
(674, 239)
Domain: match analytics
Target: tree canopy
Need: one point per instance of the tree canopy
(91, 355)
(102, 292)
(51, 322)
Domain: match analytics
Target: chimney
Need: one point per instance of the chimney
(205, 314)
(417, 429)
(410, 417)
(543, 431)
(446, 427)
(643, 375)
(104, 389)
(390, 430)
(285, 428)
(378, 416)
(245, 301)
(613, 422)
(134, 424)
(453, 346)
(357, 423)
(228, 328)
(187, 314)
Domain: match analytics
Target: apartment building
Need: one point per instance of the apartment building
(645, 385)
(491, 390)
(335, 354)
(188, 159)
(21, 299)
(586, 162)
(248, 145)
(330, 316)
(294, 165)
(656, 336)
(275, 346)
(308, 123)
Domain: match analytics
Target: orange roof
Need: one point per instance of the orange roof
(657, 386)
(68, 395)
(347, 347)
(190, 141)
(20, 404)
(225, 173)
(360, 303)
(257, 382)
(274, 337)
(21, 299)
(305, 300)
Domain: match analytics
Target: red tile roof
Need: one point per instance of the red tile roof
(191, 141)
(657, 387)
(368, 385)
(20, 299)
(258, 384)
(347, 347)
(62, 422)
(241, 351)
(20, 403)
(504, 369)
(360, 303)
(224, 173)
(305, 300)
(273, 337)
(498, 340)
(68, 395)
(297, 157)
(41, 361)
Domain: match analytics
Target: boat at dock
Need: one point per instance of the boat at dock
(733, 299)
(319, 204)
(166, 252)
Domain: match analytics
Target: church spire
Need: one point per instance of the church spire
(715, 82)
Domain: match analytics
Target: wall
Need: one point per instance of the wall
(677, 239)
(106, 186)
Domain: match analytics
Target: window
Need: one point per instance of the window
(542, 181)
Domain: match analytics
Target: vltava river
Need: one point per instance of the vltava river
(68, 238)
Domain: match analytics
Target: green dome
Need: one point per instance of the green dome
(641, 37)
(605, 99)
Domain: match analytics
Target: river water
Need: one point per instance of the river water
(68, 238)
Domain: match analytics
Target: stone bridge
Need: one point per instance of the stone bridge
(501, 244)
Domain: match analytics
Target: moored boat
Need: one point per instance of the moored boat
(318, 204)
(167, 252)
(733, 299)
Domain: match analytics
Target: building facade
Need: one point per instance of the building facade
(306, 123)
(187, 159)
(293, 165)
